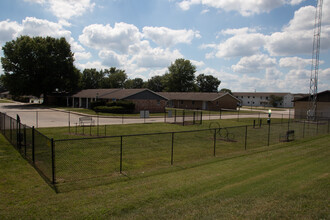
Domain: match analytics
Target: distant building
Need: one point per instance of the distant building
(144, 99)
(263, 98)
(201, 100)
(301, 105)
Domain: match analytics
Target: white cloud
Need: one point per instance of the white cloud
(111, 58)
(89, 65)
(294, 62)
(82, 55)
(240, 45)
(66, 9)
(254, 64)
(8, 30)
(297, 36)
(238, 31)
(167, 37)
(117, 38)
(244, 7)
(146, 56)
(32, 27)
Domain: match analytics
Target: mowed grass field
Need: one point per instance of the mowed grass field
(89, 162)
(283, 181)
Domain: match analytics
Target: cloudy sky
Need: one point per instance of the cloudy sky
(250, 45)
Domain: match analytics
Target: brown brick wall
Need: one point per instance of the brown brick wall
(323, 109)
(151, 105)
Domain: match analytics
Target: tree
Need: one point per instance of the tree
(136, 83)
(224, 90)
(92, 79)
(275, 100)
(156, 83)
(35, 66)
(207, 83)
(180, 76)
(115, 78)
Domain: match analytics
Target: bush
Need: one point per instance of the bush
(112, 109)
(97, 103)
(127, 105)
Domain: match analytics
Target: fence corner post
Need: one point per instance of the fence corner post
(172, 148)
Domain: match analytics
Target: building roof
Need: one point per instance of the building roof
(321, 97)
(93, 93)
(194, 96)
(260, 93)
(111, 93)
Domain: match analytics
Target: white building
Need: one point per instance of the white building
(263, 98)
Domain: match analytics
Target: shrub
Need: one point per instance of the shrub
(127, 105)
(112, 109)
(97, 103)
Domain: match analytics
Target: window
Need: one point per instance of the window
(248, 102)
(267, 97)
(248, 97)
(241, 96)
(253, 97)
(158, 102)
(252, 102)
(217, 103)
(193, 102)
(181, 102)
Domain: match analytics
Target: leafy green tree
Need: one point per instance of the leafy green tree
(156, 83)
(115, 78)
(38, 65)
(180, 76)
(136, 83)
(207, 83)
(92, 79)
(224, 90)
(275, 100)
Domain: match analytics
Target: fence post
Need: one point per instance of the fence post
(10, 126)
(194, 118)
(304, 129)
(220, 113)
(165, 116)
(317, 127)
(268, 133)
(25, 141)
(201, 117)
(18, 133)
(37, 119)
(69, 122)
(183, 114)
(214, 140)
(172, 148)
(97, 125)
(105, 130)
(328, 126)
(245, 143)
(175, 116)
(121, 154)
(53, 161)
(33, 158)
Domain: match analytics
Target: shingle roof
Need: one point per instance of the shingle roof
(260, 93)
(110, 93)
(194, 96)
(93, 93)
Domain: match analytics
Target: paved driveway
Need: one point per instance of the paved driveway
(33, 115)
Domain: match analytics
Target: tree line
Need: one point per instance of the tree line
(180, 77)
(43, 65)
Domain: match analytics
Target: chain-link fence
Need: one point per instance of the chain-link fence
(72, 160)
(31, 144)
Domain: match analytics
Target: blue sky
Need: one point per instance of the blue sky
(250, 45)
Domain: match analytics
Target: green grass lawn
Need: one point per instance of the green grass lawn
(284, 181)
(5, 101)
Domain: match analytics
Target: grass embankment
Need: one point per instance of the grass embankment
(5, 101)
(287, 181)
